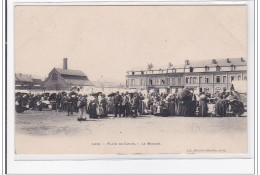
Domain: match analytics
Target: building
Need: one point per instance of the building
(201, 76)
(66, 79)
(27, 82)
(107, 87)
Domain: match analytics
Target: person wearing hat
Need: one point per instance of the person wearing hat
(136, 103)
(104, 105)
(82, 103)
(70, 104)
(203, 107)
(118, 103)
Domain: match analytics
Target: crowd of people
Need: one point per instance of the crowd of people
(98, 105)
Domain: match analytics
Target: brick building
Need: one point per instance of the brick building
(66, 79)
(201, 76)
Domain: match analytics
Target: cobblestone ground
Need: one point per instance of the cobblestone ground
(51, 132)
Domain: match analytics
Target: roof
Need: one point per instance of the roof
(71, 72)
(100, 84)
(220, 62)
(23, 77)
(78, 82)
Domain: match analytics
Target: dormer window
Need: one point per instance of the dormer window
(206, 68)
(217, 68)
(233, 68)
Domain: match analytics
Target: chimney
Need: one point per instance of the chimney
(242, 59)
(228, 61)
(187, 62)
(65, 63)
(214, 61)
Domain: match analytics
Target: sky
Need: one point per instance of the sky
(106, 41)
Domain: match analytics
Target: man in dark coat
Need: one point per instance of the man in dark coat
(136, 103)
(70, 103)
(104, 105)
(118, 103)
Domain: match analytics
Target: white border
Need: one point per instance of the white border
(242, 164)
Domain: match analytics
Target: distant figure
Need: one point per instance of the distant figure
(203, 107)
(118, 103)
(136, 102)
(219, 110)
(70, 102)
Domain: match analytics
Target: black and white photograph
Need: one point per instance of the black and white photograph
(131, 79)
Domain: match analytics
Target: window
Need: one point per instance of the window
(232, 78)
(179, 80)
(150, 82)
(239, 77)
(133, 73)
(141, 82)
(224, 79)
(168, 81)
(132, 82)
(233, 68)
(187, 79)
(206, 68)
(191, 79)
(195, 80)
(158, 81)
(173, 80)
(162, 82)
(206, 80)
(218, 68)
(200, 80)
(245, 77)
(191, 69)
(54, 77)
(218, 79)
(126, 83)
(142, 72)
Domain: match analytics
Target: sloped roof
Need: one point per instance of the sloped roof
(23, 77)
(77, 82)
(219, 62)
(71, 72)
(201, 63)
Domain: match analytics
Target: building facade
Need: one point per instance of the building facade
(27, 82)
(206, 76)
(66, 79)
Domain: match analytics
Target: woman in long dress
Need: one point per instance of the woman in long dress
(203, 107)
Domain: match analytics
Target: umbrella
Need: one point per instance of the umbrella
(183, 94)
(112, 94)
(73, 93)
(52, 96)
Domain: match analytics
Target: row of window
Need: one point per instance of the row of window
(178, 80)
(217, 79)
(155, 81)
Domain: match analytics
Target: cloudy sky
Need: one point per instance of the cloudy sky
(109, 40)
